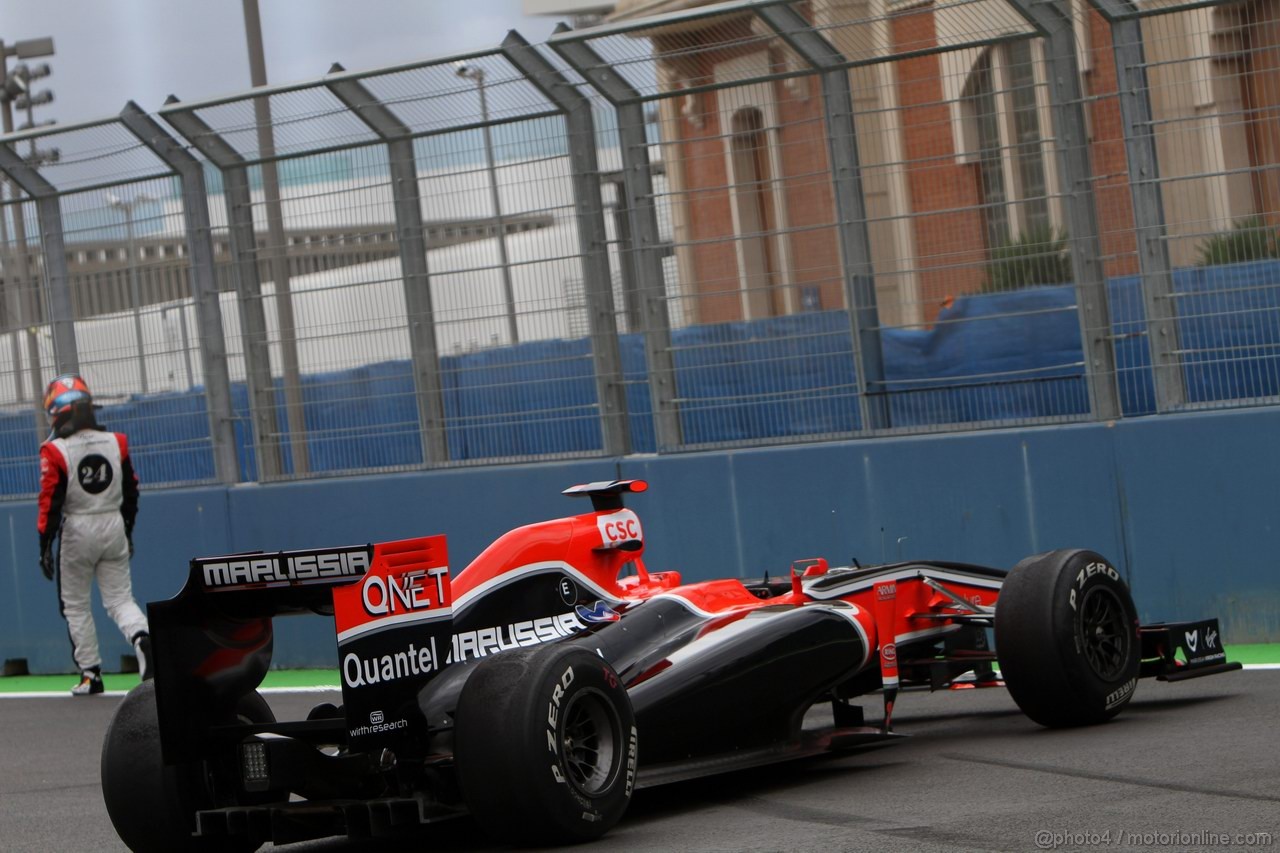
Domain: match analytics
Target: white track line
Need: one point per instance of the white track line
(60, 694)
(66, 694)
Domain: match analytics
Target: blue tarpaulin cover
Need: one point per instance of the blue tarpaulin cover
(986, 358)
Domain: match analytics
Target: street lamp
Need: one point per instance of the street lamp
(476, 75)
(127, 208)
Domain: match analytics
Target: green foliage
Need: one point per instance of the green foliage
(1249, 240)
(1038, 256)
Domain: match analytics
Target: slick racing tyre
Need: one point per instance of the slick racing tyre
(1067, 638)
(152, 805)
(545, 745)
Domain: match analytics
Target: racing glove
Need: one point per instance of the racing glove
(46, 561)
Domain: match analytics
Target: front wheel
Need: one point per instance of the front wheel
(1067, 638)
(545, 745)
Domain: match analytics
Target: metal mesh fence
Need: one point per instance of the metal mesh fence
(1214, 91)
(742, 213)
(742, 223)
(98, 260)
(26, 347)
(135, 324)
(970, 221)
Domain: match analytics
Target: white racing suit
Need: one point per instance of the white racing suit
(89, 499)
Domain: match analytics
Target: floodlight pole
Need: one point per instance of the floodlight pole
(12, 298)
(276, 251)
(25, 306)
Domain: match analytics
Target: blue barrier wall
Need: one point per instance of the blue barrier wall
(1186, 505)
(773, 378)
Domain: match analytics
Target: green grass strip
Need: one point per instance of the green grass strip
(59, 683)
(1255, 653)
(1258, 653)
(284, 678)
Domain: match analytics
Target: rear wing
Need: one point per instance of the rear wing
(282, 569)
(213, 641)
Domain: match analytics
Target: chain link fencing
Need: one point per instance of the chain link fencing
(738, 224)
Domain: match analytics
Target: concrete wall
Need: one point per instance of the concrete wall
(1187, 506)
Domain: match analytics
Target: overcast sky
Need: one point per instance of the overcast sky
(113, 51)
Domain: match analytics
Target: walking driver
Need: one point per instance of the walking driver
(88, 500)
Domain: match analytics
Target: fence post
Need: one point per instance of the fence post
(204, 289)
(253, 321)
(851, 211)
(645, 259)
(13, 309)
(1072, 141)
(24, 312)
(589, 207)
(66, 355)
(413, 259)
(1159, 299)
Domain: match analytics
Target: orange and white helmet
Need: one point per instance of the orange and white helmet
(63, 393)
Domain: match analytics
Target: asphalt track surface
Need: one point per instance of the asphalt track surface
(1196, 757)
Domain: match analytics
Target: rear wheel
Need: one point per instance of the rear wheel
(545, 745)
(1067, 638)
(151, 804)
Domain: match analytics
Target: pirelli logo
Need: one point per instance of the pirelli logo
(284, 568)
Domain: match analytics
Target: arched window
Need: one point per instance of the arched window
(983, 112)
(1000, 107)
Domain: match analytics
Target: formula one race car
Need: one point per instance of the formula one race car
(543, 684)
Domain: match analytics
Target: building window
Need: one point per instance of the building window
(980, 105)
(1026, 137)
(757, 219)
(1000, 107)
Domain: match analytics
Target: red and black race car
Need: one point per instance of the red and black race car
(543, 684)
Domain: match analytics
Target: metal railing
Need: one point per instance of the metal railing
(742, 223)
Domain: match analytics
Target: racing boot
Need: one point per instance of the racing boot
(142, 650)
(90, 683)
